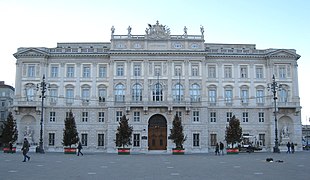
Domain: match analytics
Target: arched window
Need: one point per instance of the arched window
(244, 94)
(212, 93)
(178, 92)
(137, 92)
(195, 93)
(119, 93)
(157, 92)
(30, 91)
(283, 95)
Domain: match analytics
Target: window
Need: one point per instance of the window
(259, 96)
(229, 115)
(196, 116)
(212, 96)
(196, 140)
(120, 93)
(228, 96)
(85, 94)
(53, 95)
(177, 70)
(54, 71)
(30, 93)
(100, 116)
(120, 70)
(212, 116)
(259, 72)
(283, 95)
(261, 117)
(136, 140)
(195, 70)
(244, 95)
(86, 71)
(70, 71)
(243, 72)
(282, 71)
(100, 139)
(177, 93)
(84, 140)
(157, 92)
(69, 95)
(84, 116)
(261, 139)
(137, 70)
(102, 93)
(179, 114)
(227, 71)
(52, 116)
(51, 139)
(102, 71)
(157, 70)
(136, 116)
(137, 92)
(195, 93)
(213, 139)
(31, 70)
(119, 115)
(211, 71)
(245, 117)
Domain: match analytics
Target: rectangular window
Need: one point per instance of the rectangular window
(177, 70)
(119, 115)
(243, 72)
(196, 116)
(31, 71)
(53, 95)
(228, 96)
(100, 116)
(212, 96)
(196, 140)
(137, 70)
(136, 140)
(70, 71)
(244, 96)
(86, 71)
(261, 138)
(229, 115)
(245, 117)
(120, 70)
(211, 71)
(259, 72)
(51, 139)
(84, 140)
(227, 71)
(195, 70)
(69, 95)
(136, 116)
(54, 71)
(102, 71)
(282, 71)
(259, 96)
(261, 117)
(212, 116)
(100, 139)
(179, 113)
(52, 116)
(84, 116)
(213, 139)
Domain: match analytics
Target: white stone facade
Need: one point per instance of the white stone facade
(157, 75)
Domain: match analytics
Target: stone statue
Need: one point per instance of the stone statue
(129, 30)
(112, 30)
(202, 30)
(285, 132)
(28, 133)
(185, 30)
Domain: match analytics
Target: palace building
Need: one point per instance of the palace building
(150, 78)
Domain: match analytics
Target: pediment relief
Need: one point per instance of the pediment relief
(30, 52)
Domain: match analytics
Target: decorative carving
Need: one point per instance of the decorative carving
(157, 31)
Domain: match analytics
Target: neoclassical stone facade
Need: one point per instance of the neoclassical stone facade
(150, 78)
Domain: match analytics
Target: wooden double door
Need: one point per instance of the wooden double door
(157, 133)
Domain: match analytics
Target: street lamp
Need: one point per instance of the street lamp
(274, 87)
(43, 87)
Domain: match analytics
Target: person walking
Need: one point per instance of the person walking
(217, 149)
(79, 148)
(292, 147)
(288, 145)
(25, 149)
(221, 148)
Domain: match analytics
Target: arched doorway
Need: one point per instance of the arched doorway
(157, 133)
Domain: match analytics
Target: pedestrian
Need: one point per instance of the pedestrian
(11, 147)
(288, 145)
(217, 147)
(25, 149)
(221, 148)
(79, 149)
(292, 147)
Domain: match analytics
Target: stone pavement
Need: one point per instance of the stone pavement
(104, 166)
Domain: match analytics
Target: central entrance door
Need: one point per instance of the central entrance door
(157, 133)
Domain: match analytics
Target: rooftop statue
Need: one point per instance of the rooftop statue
(157, 31)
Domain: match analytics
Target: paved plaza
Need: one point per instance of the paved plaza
(94, 166)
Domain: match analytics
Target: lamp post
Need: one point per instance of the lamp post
(274, 87)
(43, 87)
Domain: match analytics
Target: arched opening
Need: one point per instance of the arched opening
(157, 133)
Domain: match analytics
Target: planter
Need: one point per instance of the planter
(123, 151)
(70, 150)
(232, 151)
(178, 151)
(7, 150)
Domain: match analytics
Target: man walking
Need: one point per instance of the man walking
(221, 148)
(79, 148)
(288, 145)
(25, 149)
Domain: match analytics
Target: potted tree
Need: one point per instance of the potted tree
(9, 134)
(177, 136)
(233, 135)
(123, 136)
(70, 135)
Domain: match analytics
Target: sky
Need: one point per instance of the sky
(266, 23)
